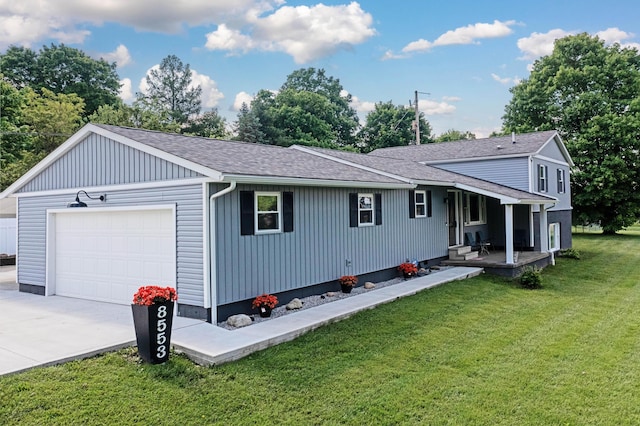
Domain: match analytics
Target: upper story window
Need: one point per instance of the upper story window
(561, 182)
(268, 212)
(476, 209)
(543, 182)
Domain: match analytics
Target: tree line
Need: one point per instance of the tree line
(586, 90)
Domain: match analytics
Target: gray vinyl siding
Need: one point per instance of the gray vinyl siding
(511, 172)
(322, 241)
(551, 150)
(98, 160)
(564, 199)
(189, 232)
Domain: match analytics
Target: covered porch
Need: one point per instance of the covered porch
(495, 263)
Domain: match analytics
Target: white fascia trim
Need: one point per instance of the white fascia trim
(472, 159)
(121, 187)
(503, 199)
(155, 152)
(551, 160)
(275, 180)
(81, 134)
(350, 163)
(558, 140)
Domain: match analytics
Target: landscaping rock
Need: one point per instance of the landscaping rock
(294, 304)
(422, 272)
(369, 285)
(240, 320)
(331, 293)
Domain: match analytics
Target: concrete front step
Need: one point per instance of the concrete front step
(462, 253)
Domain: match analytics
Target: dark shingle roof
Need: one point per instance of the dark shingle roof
(420, 172)
(526, 143)
(249, 159)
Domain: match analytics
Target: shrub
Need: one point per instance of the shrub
(531, 277)
(570, 253)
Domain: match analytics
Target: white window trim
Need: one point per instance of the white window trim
(373, 209)
(543, 181)
(423, 203)
(561, 181)
(258, 212)
(556, 232)
(482, 214)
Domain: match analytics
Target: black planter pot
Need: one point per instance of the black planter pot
(346, 288)
(265, 311)
(408, 275)
(153, 331)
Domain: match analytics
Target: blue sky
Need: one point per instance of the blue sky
(465, 55)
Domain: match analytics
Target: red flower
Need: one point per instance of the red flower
(150, 294)
(348, 280)
(408, 268)
(268, 300)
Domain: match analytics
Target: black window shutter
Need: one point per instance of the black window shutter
(287, 211)
(353, 210)
(429, 204)
(378, 206)
(412, 204)
(246, 213)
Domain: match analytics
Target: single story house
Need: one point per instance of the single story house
(115, 208)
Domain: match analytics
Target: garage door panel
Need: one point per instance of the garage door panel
(106, 255)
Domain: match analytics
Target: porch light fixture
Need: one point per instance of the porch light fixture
(78, 203)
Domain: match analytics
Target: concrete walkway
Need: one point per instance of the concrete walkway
(39, 331)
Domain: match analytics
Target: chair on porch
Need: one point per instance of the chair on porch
(483, 241)
(470, 240)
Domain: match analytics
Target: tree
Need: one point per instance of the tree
(590, 93)
(341, 117)
(169, 89)
(63, 69)
(137, 115)
(390, 125)
(208, 125)
(455, 135)
(14, 136)
(247, 126)
(52, 117)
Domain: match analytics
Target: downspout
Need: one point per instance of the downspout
(213, 272)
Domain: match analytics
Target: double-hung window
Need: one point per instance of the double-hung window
(543, 185)
(421, 203)
(268, 212)
(561, 182)
(475, 209)
(365, 209)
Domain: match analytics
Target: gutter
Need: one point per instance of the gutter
(210, 296)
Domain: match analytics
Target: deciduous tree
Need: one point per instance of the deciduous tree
(392, 125)
(590, 93)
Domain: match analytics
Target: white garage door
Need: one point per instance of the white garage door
(107, 255)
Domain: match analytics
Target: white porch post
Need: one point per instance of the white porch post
(508, 232)
(544, 230)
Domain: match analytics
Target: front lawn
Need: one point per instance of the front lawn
(479, 351)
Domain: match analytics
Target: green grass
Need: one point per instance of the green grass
(479, 351)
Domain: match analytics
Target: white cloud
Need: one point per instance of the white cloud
(429, 107)
(26, 22)
(540, 44)
(463, 35)
(451, 98)
(506, 80)
(303, 32)
(390, 55)
(616, 35)
(120, 56)
(241, 97)
(126, 93)
(362, 107)
(210, 93)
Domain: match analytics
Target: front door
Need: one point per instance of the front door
(453, 217)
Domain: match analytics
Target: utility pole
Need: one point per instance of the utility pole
(417, 126)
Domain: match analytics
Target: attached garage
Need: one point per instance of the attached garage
(106, 254)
